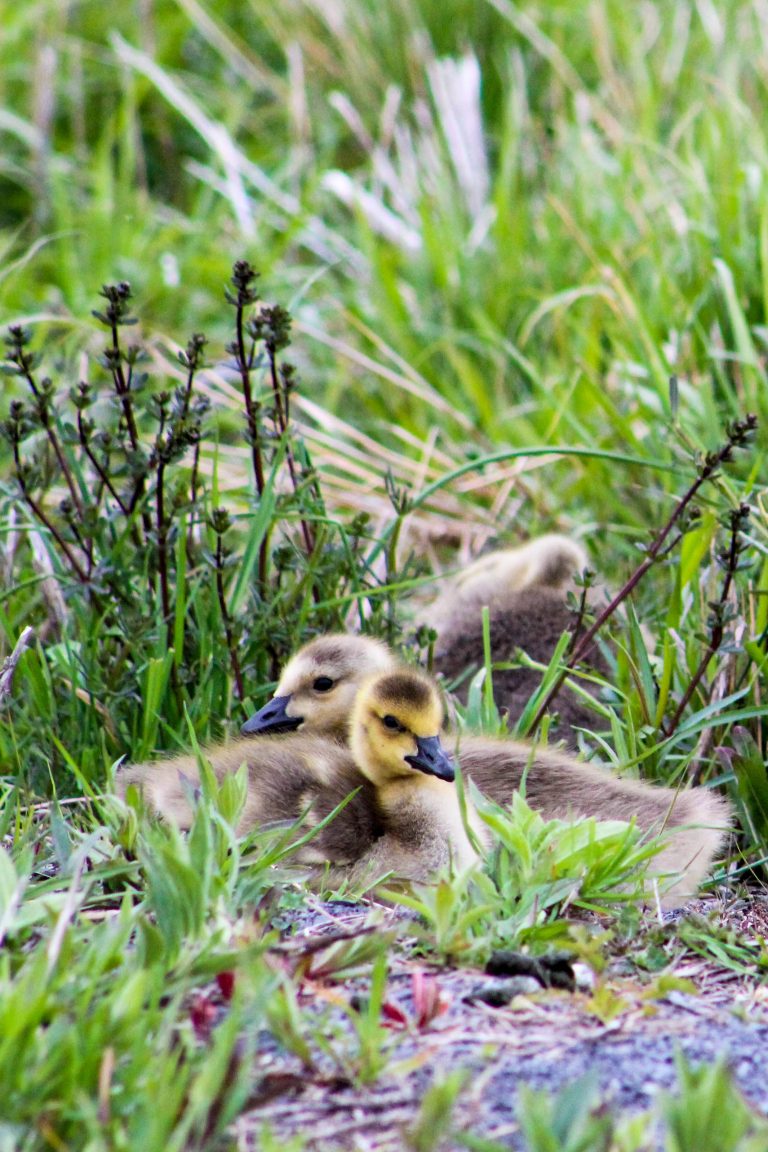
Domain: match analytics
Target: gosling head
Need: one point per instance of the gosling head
(395, 726)
(319, 684)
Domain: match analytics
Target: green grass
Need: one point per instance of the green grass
(489, 306)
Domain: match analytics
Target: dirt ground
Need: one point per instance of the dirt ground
(546, 1038)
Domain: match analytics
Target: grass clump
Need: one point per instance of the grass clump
(535, 872)
(151, 597)
(708, 1113)
(112, 938)
(705, 1112)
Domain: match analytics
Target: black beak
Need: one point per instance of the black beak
(272, 718)
(432, 758)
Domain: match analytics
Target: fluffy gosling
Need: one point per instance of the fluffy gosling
(404, 819)
(695, 821)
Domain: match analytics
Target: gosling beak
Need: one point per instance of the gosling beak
(272, 718)
(432, 758)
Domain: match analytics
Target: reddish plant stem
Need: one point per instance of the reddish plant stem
(50, 432)
(282, 423)
(162, 551)
(122, 387)
(196, 456)
(123, 390)
(580, 649)
(101, 473)
(245, 363)
(38, 511)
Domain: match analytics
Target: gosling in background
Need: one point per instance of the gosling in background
(548, 561)
(525, 590)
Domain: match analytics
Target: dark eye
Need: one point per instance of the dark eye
(323, 684)
(393, 723)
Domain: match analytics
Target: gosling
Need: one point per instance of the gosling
(548, 561)
(403, 817)
(318, 686)
(525, 591)
(696, 821)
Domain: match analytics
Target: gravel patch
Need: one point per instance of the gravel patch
(546, 1038)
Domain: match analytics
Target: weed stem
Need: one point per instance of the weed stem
(737, 435)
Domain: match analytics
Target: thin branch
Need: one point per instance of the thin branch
(59, 452)
(122, 386)
(718, 617)
(38, 511)
(100, 471)
(281, 413)
(245, 365)
(162, 550)
(193, 360)
(243, 278)
(117, 297)
(738, 434)
(581, 613)
(24, 362)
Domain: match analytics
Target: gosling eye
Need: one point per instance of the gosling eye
(393, 723)
(323, 684)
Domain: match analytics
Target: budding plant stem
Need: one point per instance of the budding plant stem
(24, 362)
(282, 417)
(737, 435)
(99, 470)
(243, 278)
(113, 316)
(47, 523)
(245, 365)
(717, 625)
(162, 551)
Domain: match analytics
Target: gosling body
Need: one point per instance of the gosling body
(548, 562)
(525, 590)
(532, 620)
(303, 776)
(693, 822)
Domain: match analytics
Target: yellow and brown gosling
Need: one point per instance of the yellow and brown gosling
(695, 821)
(321, 681)
(403, 820)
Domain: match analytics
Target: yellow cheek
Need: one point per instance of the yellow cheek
(398, 751)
